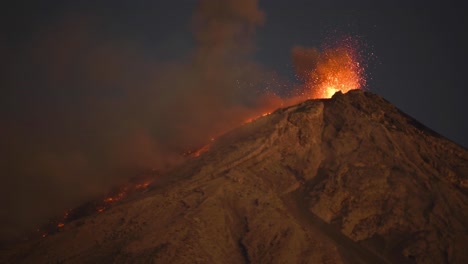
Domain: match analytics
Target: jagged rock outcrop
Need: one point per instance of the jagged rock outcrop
(347, 180)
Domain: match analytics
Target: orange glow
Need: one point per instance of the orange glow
(109, 199)
(255, 118)
(143, 185)
(337, 69)
(121, 194)
(338, 66)
(200, 151)
(212, 139)
(104, 203)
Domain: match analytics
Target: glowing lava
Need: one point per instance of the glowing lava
(337, 69)
(250, 120)
(197, 152)
(98, 206)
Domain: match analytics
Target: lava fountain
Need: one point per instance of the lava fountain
(338, 69)
(335, 68)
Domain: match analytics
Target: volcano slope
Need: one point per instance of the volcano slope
(345, 180)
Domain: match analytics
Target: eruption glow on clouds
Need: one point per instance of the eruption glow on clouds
(89, 110)
(336, 68)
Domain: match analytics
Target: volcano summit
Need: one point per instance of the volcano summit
(349, 179)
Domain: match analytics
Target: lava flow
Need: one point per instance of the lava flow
(120, 193)
(256, 117)
(197, 152)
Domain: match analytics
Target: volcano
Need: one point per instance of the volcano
(350, 179)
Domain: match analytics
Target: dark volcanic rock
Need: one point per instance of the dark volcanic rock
(345, 180)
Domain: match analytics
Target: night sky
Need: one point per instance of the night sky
(88, 85)
(419, 47)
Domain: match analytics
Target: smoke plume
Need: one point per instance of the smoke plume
(82, 112)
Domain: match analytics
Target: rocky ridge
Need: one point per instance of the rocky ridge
(350, 179)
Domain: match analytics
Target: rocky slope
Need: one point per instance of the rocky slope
(345, 180)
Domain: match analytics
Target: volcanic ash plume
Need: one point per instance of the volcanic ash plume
(222, 28)
(336, 68)
(86, 110)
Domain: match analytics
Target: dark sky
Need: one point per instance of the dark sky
(420, 51)
(87, 85)
(420, 47)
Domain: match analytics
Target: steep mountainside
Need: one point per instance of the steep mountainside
(345, 180)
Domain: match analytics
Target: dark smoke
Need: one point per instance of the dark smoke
(82, 112)
(304, 61)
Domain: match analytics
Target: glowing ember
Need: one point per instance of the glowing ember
(109, 199)
(197, 152)
(200, 151)
(98, 206)
(257, 117)
(337, 70)
(337, 67)
(143, 185)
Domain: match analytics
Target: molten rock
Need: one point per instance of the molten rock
(344, 180)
